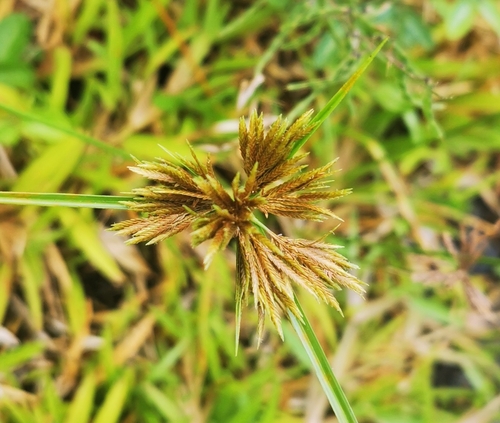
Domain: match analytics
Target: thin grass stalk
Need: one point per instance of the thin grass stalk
(322, 368)
(64, 200)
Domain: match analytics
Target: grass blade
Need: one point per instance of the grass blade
(80, 408)
(337, 98)
(115, 401)
(68, 131)
(321, 366)
(64, 200)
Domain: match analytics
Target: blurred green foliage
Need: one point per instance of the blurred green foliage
(96, 331)
(15, 33)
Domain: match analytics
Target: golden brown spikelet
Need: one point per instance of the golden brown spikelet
(189, 195)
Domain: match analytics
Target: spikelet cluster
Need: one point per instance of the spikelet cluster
(188, 194)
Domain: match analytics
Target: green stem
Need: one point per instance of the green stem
(64, 200)
(321, 366)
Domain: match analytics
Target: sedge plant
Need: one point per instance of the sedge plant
(188, 195)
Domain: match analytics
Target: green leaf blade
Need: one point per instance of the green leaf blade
(337, 98)
(64, 200)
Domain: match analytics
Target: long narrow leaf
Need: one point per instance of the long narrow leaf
(64, 200)
(321, 366)
(337, 98)
(68, 131)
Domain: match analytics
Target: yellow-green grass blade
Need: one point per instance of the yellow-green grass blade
(116, 399)
(163, 404)
(60, 78)
(337, 98)
(31, 269)
(51, 168)
(80, 408)
(68, 131)
(64, 200)
(114, 59)
(322, 368)
(16, 357)
(6, 278)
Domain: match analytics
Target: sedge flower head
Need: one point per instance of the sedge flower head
(188, 194)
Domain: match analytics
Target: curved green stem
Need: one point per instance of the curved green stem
(321, 366)
(64, 200)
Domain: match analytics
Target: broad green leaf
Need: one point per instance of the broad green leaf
(413, 30)
(484, 102)
(15, 32)
(17, 75)
(391, 97)
(147, 146)
(10, 97)
(431, 309)
(490, 11)
(48, 172)
(405, 23)
(459, 19)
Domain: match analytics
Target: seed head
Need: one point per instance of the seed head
(188, 194)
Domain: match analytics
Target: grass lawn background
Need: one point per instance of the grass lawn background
(94, 330)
